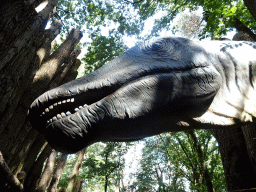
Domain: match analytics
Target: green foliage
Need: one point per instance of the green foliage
(67, 170)
(170, 161)
(127, 17)
(103, 49)
(101, 161)
(219, 14)
(103, 165)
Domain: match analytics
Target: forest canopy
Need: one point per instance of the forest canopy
(105, 24)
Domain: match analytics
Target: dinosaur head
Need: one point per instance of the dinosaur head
(145, 91)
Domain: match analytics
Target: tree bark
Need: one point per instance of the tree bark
(251, 5)
(32, 154)
(7, 175)
(206, 174)
(241, 27)
(35, 172)
(249, 132)
(57, 173)
(106, 183)
(22, 33)
(20, 157)
(75, 171)
(26, 47)
(46, 176)
(237, 166)
(78, 186)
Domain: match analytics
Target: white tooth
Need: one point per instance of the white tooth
(46, 110)
(64, 101)
(58, 116)
(68, 100)
(68, 113)
(59, 102)
(63, 114)
(51, 107)
(80, 107)
(55, 104)
(50, 121)
(76, 109)
(43, 113)
(72, 100)
(54, 118)
(85, 105)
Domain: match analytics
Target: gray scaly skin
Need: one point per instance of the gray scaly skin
(163, 85)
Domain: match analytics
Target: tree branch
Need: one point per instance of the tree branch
(241, 27)
(8, 175)
(133, 3)
(251, 5)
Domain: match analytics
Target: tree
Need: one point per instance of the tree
(171, 160)
(46, 176)
(220, 16)
(190, 24)
(102, 168)
(75, 171)
(27, 58)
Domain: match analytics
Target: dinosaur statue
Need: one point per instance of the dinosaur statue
(166, 84)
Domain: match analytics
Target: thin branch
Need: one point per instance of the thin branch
(133, 3)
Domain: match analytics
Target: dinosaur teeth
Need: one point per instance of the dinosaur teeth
(50, 109)
(54, 118)
(76, 109)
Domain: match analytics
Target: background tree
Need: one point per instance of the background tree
(102, 168)
(172, 160)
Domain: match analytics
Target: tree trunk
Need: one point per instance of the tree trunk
(206, 174)
(32, 154)
(106, 183)
(241, 27)
(46, 176)
(237, 166)
(25, 52)
(35, 172)
(78, 185)
(75, 171)
(57, 173)
(249, 132)
(251, 5)
(12, 181)
(22, 33)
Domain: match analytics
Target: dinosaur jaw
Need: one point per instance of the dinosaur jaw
(76, 120)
